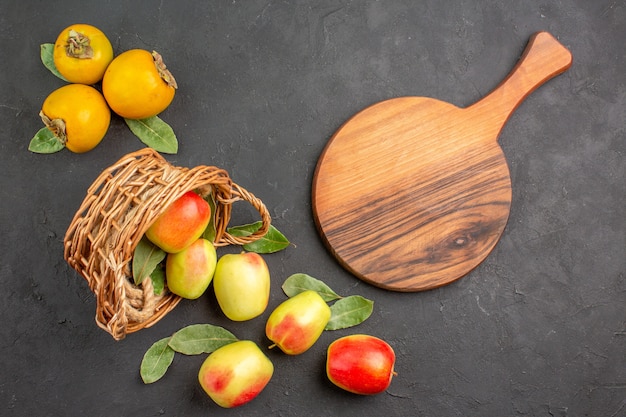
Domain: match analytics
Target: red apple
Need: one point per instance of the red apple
(181, 224)
(235, 373)
(296, 324)
(360, 364)
(190, 271)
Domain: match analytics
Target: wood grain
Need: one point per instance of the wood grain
(413, 193)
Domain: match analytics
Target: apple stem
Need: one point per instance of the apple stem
(272, 346)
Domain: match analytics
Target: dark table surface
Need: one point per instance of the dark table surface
(537, 329)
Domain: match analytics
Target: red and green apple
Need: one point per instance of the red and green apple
(235, 373)
(189, 272)
(296, 324)
(181, 223)
(361, 364)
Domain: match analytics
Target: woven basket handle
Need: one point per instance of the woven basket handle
(241, 194)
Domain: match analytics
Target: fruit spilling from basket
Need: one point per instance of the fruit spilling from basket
(111, 223)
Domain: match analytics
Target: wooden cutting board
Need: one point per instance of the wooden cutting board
(412, 193)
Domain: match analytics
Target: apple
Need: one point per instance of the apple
(296, 324)
(189, 272)
(235, 374)
(181, 224)
(360, 364)
(242, 285)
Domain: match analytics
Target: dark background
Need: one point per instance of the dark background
(538, 329)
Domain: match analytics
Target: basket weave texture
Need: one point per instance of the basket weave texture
(120, 205)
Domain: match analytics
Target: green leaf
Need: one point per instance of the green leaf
(145, 259)
(298, 283)
(154, 133)
(245, 230)
(158, 279)
(273, 241)
(210, 232)
(45, 141)
(47, 57)
(200, 338)
(349, 311)
(156, 361)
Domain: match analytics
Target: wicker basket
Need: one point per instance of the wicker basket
(119, 207)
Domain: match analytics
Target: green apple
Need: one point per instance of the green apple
(296, 324)
(361, 364)
(242, 285)
(181, 224)
(189, 272)
(235, 373)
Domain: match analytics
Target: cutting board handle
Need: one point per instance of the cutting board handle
(543, 59)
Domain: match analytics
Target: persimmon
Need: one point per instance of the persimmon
(137, 84)
(77, 115)
(82, 53)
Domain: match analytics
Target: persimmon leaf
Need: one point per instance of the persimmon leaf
(154, 133)
(47, 58)
(45, 141)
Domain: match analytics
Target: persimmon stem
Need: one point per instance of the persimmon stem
(78, 46)
(56, 126)
(163, 71)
